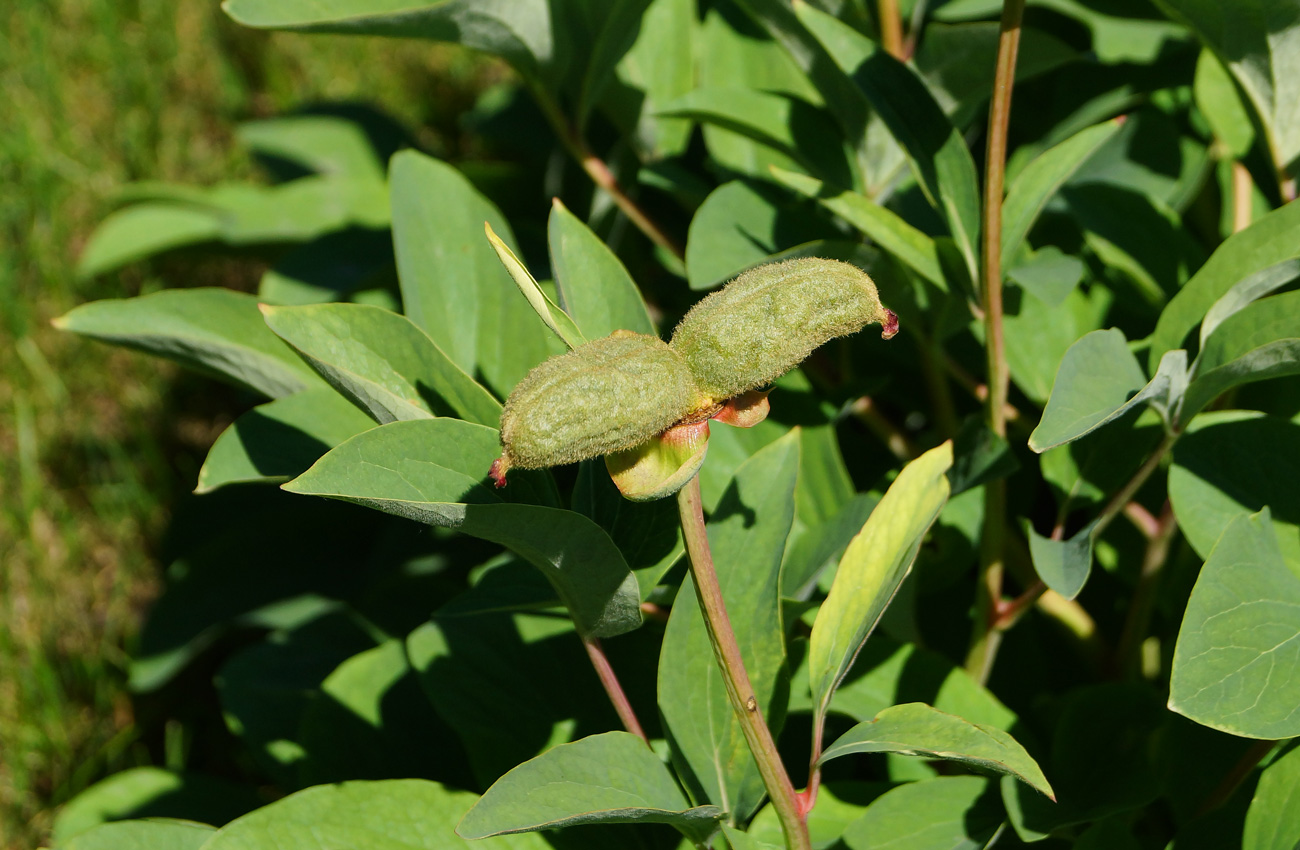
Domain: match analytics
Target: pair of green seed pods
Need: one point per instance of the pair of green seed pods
(615, 393)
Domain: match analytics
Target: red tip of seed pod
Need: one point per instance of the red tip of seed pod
(889, 326)
(498, 472)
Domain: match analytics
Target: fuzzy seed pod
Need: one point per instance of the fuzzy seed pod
(769, 319)
(605, 396)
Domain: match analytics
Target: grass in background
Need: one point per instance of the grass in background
(96, 443)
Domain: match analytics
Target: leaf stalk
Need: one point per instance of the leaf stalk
(613, 688)
(740, 692)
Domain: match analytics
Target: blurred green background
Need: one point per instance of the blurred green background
(97, 444)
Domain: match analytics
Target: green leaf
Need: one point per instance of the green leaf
(874, 565)
(1217, 97)
(783, 122)
(1267, 242)
(647, 533)
(143, 230)
(738, 840)
(944, 813)
(609, 778)
(916, 729)
(151, 792)
(617, 33)
(214, 331)
(747, 534)
(160, 834)
(1098, 381)
(382, 363)
(518, 31)
(594, 287)
(1233, 463)
(435, 471)
(1258, 42)
(546, 309)
(1259, 341)
(335, 267)
(661, 67)
(1033, 187)
(281, 439)
(740, 225)
(1273, 820)
(937, 152)
(1050, 275)
(393, 814)
(326, 144)
(1239, 637)
(1063, 565)
(882, 225)
(1245, 293)
(497, 657)
(453, 286)
(1037, 336)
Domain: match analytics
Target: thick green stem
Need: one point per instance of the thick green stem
(608, 680)
(601, 175)
(739, 690)
(984, 637)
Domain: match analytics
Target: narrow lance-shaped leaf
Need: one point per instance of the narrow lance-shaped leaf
(883, 226)
(382, 362)
(435, 471)
(936, 151)
(609, 778)
(873, 567)
(593, 285)
(916, 729)
(551, 315)
(143, 230)
(1035, 186)
(1267, 242)
(1240, 638)
(214, 331)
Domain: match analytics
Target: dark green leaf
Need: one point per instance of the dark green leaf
(278, 440)
(1260, 340)
(1239, 637)
(453, 285)
(618, 31)
(395, 814)
(435, 471)
(916, 729)
(214, 331)
(1037, 336)
(594, 287)
(747, 534)
(334, 267)
(883, 226)
(1233, 463)
(647, 533)
(1050, 275)
(936, 151)
(1033, 187)
(1098, 381)
(1267, 242)
(661, 67)
(382, 362)
(873, 567)
(1257, 41)
(609, 778)
(1063, 565)
(1273, 821)
(945, 813)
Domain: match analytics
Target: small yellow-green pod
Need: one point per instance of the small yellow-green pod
(769, 319)
(605, 396)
